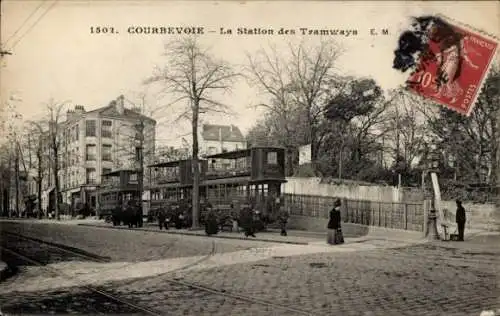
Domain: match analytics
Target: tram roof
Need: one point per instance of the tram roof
(117, 172)
(173, 163)
(231, 154)
(240, 153)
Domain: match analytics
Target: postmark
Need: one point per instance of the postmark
(448, 61)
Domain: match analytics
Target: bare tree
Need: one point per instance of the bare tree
(191, 76)
(301, 83)
(36, 138)
(55, 118)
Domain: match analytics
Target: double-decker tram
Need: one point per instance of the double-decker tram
(170, 185)
(229, 182)
(116, 190)
(246, 178)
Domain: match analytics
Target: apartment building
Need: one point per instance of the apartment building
(93, 143)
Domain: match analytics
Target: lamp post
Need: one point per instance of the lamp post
(432, 166)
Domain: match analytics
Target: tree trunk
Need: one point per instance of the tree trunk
(56, 181)
(196, 170)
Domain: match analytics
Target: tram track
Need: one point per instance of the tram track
(109, 295)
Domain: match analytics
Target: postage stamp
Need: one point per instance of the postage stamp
(450, 61)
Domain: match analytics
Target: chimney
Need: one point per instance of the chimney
(120, 104)
(79, 109)
(231, 128)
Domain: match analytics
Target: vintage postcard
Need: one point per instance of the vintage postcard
(249, 157)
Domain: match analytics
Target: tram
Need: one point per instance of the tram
(229, 181)
(116, 189)
(170, 185)
(246, 178)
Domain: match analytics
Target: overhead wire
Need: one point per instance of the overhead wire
(24, 23)
(34, 24)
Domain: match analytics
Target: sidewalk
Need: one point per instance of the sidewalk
(474, 241)
(294, 237)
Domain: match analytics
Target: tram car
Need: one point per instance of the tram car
(118, 190)
(246, 178)
(229, 181)
(170, 187)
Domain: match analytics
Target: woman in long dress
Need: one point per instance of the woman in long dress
(334, 228)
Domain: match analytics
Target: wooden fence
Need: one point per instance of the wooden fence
(404, 215)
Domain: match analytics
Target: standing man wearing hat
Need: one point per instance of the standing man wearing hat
(460, 218)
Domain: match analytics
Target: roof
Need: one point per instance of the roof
(166, 164)
(231, 154)
(240, 153)
(110, 110)
(117, 172)
(226, 133)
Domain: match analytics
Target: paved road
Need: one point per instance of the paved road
(425, 279)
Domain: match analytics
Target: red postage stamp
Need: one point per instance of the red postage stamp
(453, 63)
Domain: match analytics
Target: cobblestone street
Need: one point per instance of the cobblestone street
(418, 280)
(253, 278)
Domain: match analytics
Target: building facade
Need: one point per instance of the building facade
(93, 143)
(216, 139)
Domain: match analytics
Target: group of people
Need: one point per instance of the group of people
(180, 217)
(130, 213)
(249, 219)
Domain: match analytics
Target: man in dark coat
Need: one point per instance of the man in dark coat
(283, 220)
(116, 215)
(460, 218)
(247, 222)
(161, 218)
(211, 223)
(130, 214)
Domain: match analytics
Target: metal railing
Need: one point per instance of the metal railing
(403, 215)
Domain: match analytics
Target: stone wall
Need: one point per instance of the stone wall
(313, 186)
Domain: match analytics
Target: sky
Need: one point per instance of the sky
(58, 57)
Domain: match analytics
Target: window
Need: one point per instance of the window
(106, 129)
(138, 153)
(106, 152)
(91, 176)
(105, 170)
(272, 158)
(77, 132)
(133, 178)
(212, 150)
(91, 152)
(90, 128)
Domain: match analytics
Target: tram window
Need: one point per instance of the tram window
(272, 158)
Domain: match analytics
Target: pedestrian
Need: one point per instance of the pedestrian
(247, 222)
(161, 218)
(460, 218)
(211, 223)
(335, 235)
(234, 219)
(283, 220)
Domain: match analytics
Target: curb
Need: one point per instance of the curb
(200, 235)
